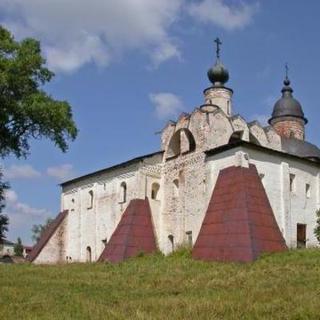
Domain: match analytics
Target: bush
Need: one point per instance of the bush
(317, 228)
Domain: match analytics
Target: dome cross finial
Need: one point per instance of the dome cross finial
(286, 80)
(218, 43)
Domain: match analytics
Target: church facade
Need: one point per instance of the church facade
(178, 181)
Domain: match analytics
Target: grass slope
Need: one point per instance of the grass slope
(278, 286)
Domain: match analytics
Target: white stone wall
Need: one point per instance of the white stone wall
(90, 226)
(290, 208)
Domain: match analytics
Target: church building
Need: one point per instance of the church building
(228, 188)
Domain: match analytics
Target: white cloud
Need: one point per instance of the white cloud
(11, 196)
(166, 104)
(22, 216)
(76, 32)
(21, 172)
(62, 172)
(226, 16)
(19, 208)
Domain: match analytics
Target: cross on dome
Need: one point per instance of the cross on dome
(218, 43)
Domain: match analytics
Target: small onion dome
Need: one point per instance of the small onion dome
(218, 74)
(287, 106)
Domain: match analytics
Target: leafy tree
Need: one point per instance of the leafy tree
(317, 228)
(38, 229)
(18, 248)
(27, 111)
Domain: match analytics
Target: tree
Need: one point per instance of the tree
(38, 229)
(18, 248)
(317, 228)
(27, 111)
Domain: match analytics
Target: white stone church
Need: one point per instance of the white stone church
(179, 179)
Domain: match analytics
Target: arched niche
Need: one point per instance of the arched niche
(155, 191)
(182, 142)
(88, 254)
(236, 136)
(123, 192)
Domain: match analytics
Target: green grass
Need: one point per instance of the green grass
(278, 286)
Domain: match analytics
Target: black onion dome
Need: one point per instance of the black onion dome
(218, 74)
(287, 105)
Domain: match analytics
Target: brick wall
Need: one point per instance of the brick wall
(290, 128)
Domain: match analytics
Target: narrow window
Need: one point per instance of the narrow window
(189, 238)
(72, 204)
(123, 192)
(292, 182)
(90, 202)
(171, 239)
(104, 241)
(176, 188)
(261, 175)
(155, 191)
(308, 190)
(89, 255)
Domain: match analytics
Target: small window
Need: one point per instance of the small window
(292, 182)
(89, 254)
(123, 192)
(261, 175)
(176, 188)
(308, 190)
(90, 202)
(171, 239)
(155, 191)
(189, 238)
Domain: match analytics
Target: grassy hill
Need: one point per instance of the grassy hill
(278, 286)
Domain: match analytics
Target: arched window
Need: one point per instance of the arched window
(181, 142)
(176, 188)
(155, 191)
(189, 238)
(123, 192)
(90, 201)
(89, 255)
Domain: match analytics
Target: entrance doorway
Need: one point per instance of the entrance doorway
(301, 235)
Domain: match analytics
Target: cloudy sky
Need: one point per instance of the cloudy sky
(128, 66)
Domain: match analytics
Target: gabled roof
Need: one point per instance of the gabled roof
(120, 165)
(242, 143)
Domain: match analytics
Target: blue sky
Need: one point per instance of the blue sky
(129, 66)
